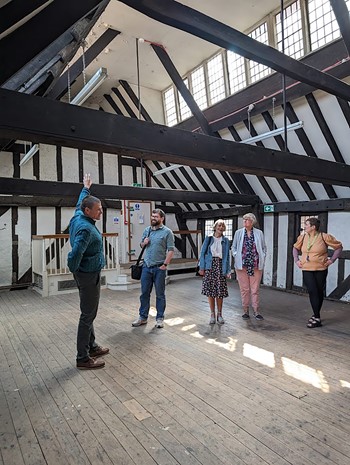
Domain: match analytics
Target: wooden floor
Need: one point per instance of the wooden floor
(270, 392)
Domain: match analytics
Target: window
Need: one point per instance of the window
(293, 32)
(236, 72)
(216, 80)
(170, 107)
(185, 112)
(323, 24)
(257, 70)
(199, 91)
(209, 228)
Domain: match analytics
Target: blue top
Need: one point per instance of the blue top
(161, 240)
(86, 241)
(206, 257)
(237, 247)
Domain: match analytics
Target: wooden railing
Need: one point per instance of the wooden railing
(49, 253)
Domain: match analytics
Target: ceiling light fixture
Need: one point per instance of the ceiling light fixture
(79, 99)
(90, 87)
(251, 140)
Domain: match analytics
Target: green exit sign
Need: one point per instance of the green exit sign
(136, 184)
(269, 208)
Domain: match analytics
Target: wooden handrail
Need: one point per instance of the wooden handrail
(66, 236)
(186, 231)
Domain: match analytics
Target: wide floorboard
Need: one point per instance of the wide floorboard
(261, 393)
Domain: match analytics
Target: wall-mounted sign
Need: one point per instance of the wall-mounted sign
(269, 208)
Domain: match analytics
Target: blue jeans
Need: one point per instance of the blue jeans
(152, 275)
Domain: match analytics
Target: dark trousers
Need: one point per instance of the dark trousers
(89, 285)
(315, 282)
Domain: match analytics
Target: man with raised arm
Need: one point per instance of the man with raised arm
(85, 261)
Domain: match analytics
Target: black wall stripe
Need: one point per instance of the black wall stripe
(275, 249)
(16, 168)
(290, 241)
(80, 164)
(345, 109)
(120, 171)
(33, 221)
(36, 165)
(59, 166)
(101, 179)
(324, 128)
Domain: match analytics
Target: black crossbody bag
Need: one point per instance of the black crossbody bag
(136, 269)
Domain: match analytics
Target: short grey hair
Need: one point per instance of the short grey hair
(250, 216)
(89, 202)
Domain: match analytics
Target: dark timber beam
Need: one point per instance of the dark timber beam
(36, 119)
(181, 87)
(217, 213)
(192, 21)
(342, 14)
(61, 86)
(46, 201)
(16, 10)
(103, 191)
(125, 85)
(311, 206)
(24, 43)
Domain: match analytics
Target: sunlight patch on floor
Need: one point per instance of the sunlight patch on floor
(197, 335)
(174, 321)
(230, 345)
(188, 327)
(345, 384)
(259, 355)
(304, 373)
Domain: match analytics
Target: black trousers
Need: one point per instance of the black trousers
(315, 282)
(89, 285)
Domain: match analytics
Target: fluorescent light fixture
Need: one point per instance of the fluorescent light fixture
(30, 154)
(275, 132)
(90, 87)
(251, 140)
(79, 99)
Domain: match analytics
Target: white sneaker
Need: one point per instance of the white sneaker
(159, 323)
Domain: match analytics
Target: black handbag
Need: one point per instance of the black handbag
(136, 269)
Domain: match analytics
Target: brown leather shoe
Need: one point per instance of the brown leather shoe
(99, 352)
(91, 364)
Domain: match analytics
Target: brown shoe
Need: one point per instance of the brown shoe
(98, 351)
(91, 364)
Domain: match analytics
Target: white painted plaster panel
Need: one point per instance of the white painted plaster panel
(70, 165)
(24, 240)
(257, 187)
(90, 164)
(152, 101)
(298, 191)
(336, 122)
(277, 189)
(26, 170)
(110, 169)
(66, 215)
(127, 176)
(45, 220)
(338, 226)
(47, 157)
(6, 165)
(346, 297)
(268, 233)
(282, 250)
(6, 248)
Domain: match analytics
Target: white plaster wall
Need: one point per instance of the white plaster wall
(90, 163)
(6, 248)
(338, 226)
(110, 167)
(66, 215)
(152, 101)
(45, 220)
(24, 240)
(268, 233)
(70, 165)
(6, 165)
(47, 156)
(127, 176)
(282, 250)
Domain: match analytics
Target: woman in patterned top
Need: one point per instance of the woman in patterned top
(314, 263)
(215, 266)
(249, 252)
